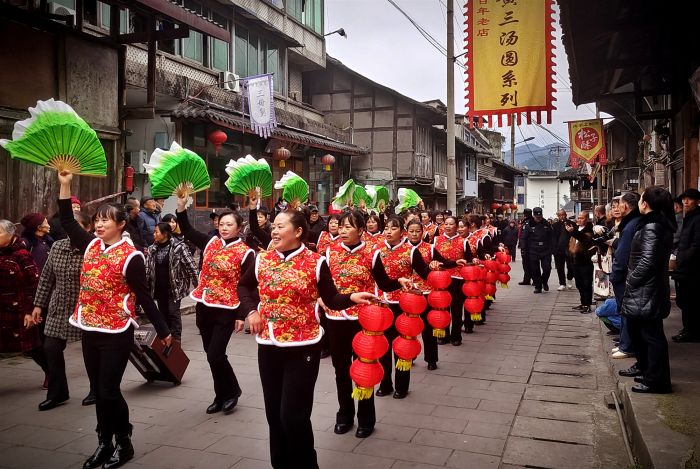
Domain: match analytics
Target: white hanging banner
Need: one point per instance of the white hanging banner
(261, 104)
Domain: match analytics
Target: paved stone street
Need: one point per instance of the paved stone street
(526, 390)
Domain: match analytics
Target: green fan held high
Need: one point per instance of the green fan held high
(407, 199)
(56, 137)
(379, 196)
(176, 171)
(344, 196)
(294, 189)
(248, 176)
(360, 198)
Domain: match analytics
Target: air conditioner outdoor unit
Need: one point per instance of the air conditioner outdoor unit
(229, 81)
(138, 159)
(58, 9)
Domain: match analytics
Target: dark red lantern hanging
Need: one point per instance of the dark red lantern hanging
(327, 161)
(281, 154)
(472, 289)
(439, 279)
(409, 325)
(407, 349)
(412, 303)
(502, 257)
(217, 138)
(503, 279)
(366, 374)
(439, 299)
(369, 345)
(375, 318)
(474, 306)
(439, 319)
(471, 272)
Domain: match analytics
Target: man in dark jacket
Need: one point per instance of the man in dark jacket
(560, 243)
(316, 225)
(646, 302)
(150, 214)
(527, 214)
(687, 272)
(135, 226)
(599, 215)
(509, 238)
(621, 254)
(537, 240)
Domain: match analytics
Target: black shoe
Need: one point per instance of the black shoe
(630, 372)
(381, 392)
(49, 404)
(214, 407)
(576, 308)
(612, 333)
(364, 432)
(537, 290)
(479, 323)
(123, 452)
(342, 428)
(524, 283)
(230, 404)
(545, 287)
(685, 337)
(456, 343)
(104, 450)
(432, 366)
(585, 310)
(400, 395)
(469, 330)
(90, 399)
(639, 379)
(325, 353)
(643, 388)
(443, 341)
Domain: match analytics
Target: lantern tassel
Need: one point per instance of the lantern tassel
(488, 297)
(439, 333)
(403, 365)
(504, 285)
(327, 167)
(476, 317)
(361, 394)
(282, 164)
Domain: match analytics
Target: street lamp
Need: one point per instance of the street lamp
(341, 33)
(512, 147)
(526, 140)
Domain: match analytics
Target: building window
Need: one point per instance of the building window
(471, 168)
(193, 47)
(219, 54)
(295, 8)
(521, 199)
(307, 12)
(254, 56)
(520, 181)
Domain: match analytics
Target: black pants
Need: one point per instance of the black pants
(512, 250)
(403, 378)
(540, 268)
(526, 266)
(459, 316)
(651, 351)
(583, 274)
(340, 335)
(563, 266)
(106, 356)
(56, 364)
(687, 302)
(37, 354)
(171, 310)
(430, 346)
(216, 326)
(288, 376)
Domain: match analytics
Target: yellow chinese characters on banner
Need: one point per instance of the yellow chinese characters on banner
(587, 142)
(509, 59)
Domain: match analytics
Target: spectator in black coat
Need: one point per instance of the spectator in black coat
(135, 226)
(509, 237)
(581, 248)
(687, 272)
(316, 226)
(560, 243)
(647, 293)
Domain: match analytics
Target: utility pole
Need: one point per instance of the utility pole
(558, 182)
(512, 140)
(451, 159)
(599, 175)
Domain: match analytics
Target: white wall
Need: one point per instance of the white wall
(542, 192)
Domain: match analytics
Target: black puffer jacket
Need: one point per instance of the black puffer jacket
(647, 294)
(688, 265)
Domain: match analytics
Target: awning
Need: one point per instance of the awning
(494, 179)
(191, 111)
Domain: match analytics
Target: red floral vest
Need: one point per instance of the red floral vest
(325, 240)
(397, 263)
(429, 232)
(351, 272)
(451, 249)
(426, 251)
(221, 271)
(288, 289)
(476, 239)
(375, 241)
(105, 301)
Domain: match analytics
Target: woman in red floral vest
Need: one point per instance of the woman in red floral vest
(112, 279)
(280, 298)
(225, 259)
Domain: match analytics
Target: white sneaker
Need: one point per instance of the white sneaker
(615, 349)
(570, 286)
(620, 354)
(561, 288)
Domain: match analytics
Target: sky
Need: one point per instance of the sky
(384, 46)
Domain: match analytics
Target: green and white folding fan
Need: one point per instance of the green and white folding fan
(176, 171)
(294, 189)
(379, 195)
(344, 196)
(56, 137)
(407, 199)
(247, 175)
(360, 198)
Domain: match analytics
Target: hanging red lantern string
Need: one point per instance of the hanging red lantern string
(370, 345)
(409, 325)
(503, 267)
(490, 278)
(439, 317)
(281, 154)
(473, 290)
(217, 138)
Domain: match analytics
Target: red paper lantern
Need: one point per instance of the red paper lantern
(281, 154)
(504, 278)
(327, 161)
(471, 289)
(474, 305)
(514, 207)
(471, 272)
(504, 268)
(502, 257)
(375, 317)
(491, 277)
(490, 290)
(439, 319)
(366, 376)
(406, 350)
(409, 325)
(439, 299)
(217, 138)
(495, 206)
(439, 279)
(370, 347)
(412, 303)
(491, 265)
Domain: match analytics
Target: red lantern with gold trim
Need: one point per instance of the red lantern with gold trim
(217, 138)
(375, 318)
(369, 345)
(470, 272)
(281, 154)
(327, 161)
(407, 349)
(514, 207)
(472, 288)
(366, 375)
(495, 206)
(412, 303)
(439, 279)
(439, 319)
(502, 257)
(439, 299)
(474, 306)
(503, 279)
